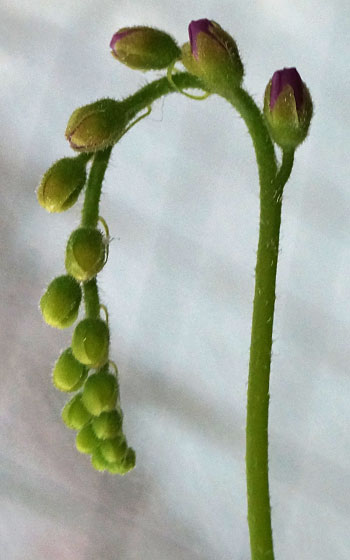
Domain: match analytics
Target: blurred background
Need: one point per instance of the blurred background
(181, 201)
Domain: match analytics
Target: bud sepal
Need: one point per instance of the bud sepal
(90, 342)
(60, 303)
(68, 374)
(96, 126)
(287, 108)
(144, 48)
(212, 55)
(85, 253)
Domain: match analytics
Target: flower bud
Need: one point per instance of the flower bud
(98, 461)
(85, 253)
(74, 413)
(287, 108)
(68, 373)
(90, 342)
(60, 303)
(100, 394)
(144, 48)
(108, 424)
(125, 466)
(114, 450)
(96, 126)
(61, 184)
(212, 55)
(86, 440)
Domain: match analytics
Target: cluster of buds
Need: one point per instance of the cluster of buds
(85, 366)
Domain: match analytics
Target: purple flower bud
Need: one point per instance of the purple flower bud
(144, 48)
(287, 108)
(286, 77)
(212, 55)
(195, 27)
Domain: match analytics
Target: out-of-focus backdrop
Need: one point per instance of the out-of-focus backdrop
(181, 200)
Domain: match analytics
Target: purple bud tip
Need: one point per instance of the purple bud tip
(119, 35)
(195, 27)
(286, 77)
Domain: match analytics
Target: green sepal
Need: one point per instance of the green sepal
(62, 183)
(68, 374)
(85, 253)
(144, 48)
(86, 440)
(100, 393)
(114, 450)
(60, 303)
(108, 424)
(96, 126)
(90, 342)
(74, 413)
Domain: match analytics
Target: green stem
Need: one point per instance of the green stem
(149, 93)
(259, 511)
(91, 299)
(271, 181)
(93, 188)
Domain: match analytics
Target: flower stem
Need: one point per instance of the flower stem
(93, 188)
(91, 299)
(272, 181)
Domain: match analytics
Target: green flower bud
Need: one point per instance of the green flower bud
(74, 413)
(86, 440)
(287, 108)
(61, 185)
(68, 373)
(90, 342)
(125, 466)
(96, 126)
(144, 48)
(98, 461)
(60, 303)
(85, 253)
(100, 394)
(114, 450)
(108, 424)
(212, 55)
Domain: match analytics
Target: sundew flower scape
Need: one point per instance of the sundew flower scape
(212, 65)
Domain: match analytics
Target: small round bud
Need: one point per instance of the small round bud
(86, 440)
(287, 108)
(108, 424)
(68, 374)
(212, 55)
(90, 342)
(74, 413)
(125, 466)
(62, 183)
(144, 48)
(100, 394)
(85, 253)
(96, 126)
(114, 450)
(60, 303)
(98, 461)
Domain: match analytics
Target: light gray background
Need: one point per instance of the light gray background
(181, 200)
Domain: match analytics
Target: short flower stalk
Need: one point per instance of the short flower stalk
(213, 65)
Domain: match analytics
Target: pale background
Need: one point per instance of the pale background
(181, 200)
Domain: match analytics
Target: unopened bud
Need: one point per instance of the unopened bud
(62, 183)
(287, 108)
(144, 48)
(74, 413)
(85, 253)
(90, 342)
(96, 126)
(114, 450)
(68, 374)
(100, 394)
(60, 303)
(125, 466)
(86, 440)
(108, 424)
(212, 55)
(98, 461)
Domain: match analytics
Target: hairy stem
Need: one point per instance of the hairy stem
(91, 299)
(93, 188)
